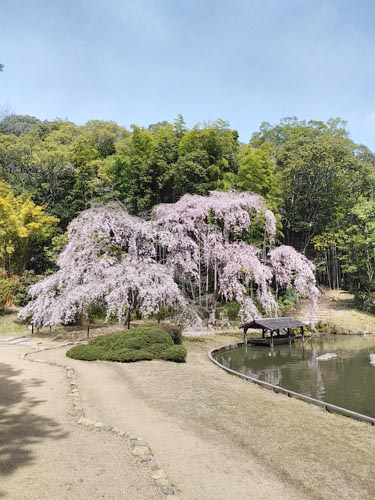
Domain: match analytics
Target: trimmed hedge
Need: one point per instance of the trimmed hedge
(175, 353)
(144, 343)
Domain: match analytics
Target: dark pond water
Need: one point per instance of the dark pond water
(347, 381)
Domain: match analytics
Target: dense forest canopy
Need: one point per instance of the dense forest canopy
(313, 176)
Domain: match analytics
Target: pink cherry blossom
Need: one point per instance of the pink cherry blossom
(190, 253)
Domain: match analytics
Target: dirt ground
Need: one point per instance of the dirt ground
(219, 437)
(216, 436)
(337, 307)
(44, 454)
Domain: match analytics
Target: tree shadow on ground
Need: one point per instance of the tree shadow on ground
(20, 427)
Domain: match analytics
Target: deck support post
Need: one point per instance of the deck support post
(271, 338)
(302, 333)
(245, 337)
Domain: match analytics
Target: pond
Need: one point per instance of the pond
(347, 381)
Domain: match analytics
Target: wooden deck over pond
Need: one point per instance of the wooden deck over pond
(275, 331)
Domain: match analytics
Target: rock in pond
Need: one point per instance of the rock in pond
(327, 356)
(371, 358)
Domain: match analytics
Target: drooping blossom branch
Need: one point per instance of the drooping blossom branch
(191, 252)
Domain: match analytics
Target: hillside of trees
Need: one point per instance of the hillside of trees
(312, 175)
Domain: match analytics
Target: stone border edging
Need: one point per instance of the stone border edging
(139, 448)
(330, 408)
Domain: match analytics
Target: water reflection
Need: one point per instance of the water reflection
(347, 381)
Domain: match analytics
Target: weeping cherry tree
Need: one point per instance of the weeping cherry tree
(189, 256)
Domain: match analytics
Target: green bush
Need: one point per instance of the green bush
(287, 301)
(86, 352)
(365, 301)
(21, 295)
(175, 331)
(7, 287)
(175, 353)
(232, 310)
(143, 343)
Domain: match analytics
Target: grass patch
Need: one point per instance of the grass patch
(195, 339)
(10, 325)
(143, 343)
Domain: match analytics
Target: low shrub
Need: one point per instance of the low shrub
(365, 301)
(6, 289)
(233, 310)
(143, 343)
(287, 301)
(175, 331)
(21, 290)
(175, 353)
(86, 353)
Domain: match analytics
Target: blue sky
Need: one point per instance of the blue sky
(143, 61)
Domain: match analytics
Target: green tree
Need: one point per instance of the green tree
(165, 157)
(257, 173)
(192, 174)
(133, 170)
(21, 124)
(84, 157)
(321, 172)
(357, 244)
(179, 126)
(22, 226)
(104, 135)
(42, 166)
(211, 152)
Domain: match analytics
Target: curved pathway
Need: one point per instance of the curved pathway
(219, 437)
(212, 435)
(44, 454)
(197, 465)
